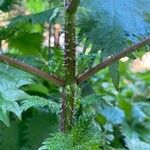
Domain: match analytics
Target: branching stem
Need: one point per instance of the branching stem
(33, 70)
(90, 72)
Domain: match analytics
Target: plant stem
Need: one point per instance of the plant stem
(1, 51)
(33, 70)
(90, 72)
(49, 40)
(70, 67)
(69, 71)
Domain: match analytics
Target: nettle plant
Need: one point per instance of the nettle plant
(63, 99)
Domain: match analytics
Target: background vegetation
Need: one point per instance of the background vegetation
(112, 108)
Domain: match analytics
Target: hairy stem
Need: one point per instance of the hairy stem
(33, 70)
(90, 72)
(70, 67)
(69, 71)
(72, 6)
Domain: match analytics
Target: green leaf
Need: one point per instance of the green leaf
(138, 113)
(131, 20)
(13, 94)
(126, 107)
(58, 141)
(36, 101)
(37, 88)
(55, 15)
(135, 144)
(37, 18)
(94, 99)
(81, 137)
(36, 5)
(27, 43)
(38, 128)
(7, 105)
(129, 132)
(4, 116)
(10, 81)
(109, 38)
(6, 5)
(99, 106)
(112, 114)
(10, 136)
(101, 119)
(12, 107)
(12, 77)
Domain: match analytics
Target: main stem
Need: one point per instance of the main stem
(70, 69)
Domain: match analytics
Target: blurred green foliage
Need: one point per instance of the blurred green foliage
(109, 114)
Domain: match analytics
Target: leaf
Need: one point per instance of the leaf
(37, 18)
(37, 88)
(81, 137)
(109, 38)
(101, 119)
(4, 117)
(94, 99)
(54, 15)
(103, 109)
(132, 18)
(138, 113)
(129, 132)
(13, 94)
(27, 43)
(135, 144)
(10, 76)
(10, 136)
(8, 106)
(112, 114)
(6, 5)
(126, 107)
(20, 24)
(58, 141)
(38, 128)
(35, 6)
(10, 94)
(36, 101)
(12, 107)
